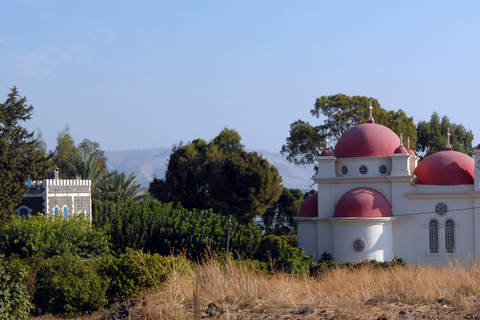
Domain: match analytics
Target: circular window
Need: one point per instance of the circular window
(359, 245)
(363, 169)
(344, 170)
(382, 169)
(441, 208)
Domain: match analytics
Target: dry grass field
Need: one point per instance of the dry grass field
(240, 291)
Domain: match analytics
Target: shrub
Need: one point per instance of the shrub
(14, 300)
(47, 237)
(68, 284)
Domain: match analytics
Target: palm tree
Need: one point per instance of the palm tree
(123, 185)
(86, 167)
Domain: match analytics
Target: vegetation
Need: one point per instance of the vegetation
(219, 175)
(21, 154)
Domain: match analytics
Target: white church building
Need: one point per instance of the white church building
(375, 200)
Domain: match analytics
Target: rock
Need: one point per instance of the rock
(307, 309)
(211, 312)
(372, 302)
(213, 305)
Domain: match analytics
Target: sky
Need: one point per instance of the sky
(149, 74)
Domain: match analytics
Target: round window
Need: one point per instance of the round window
(359, 245)
(344, 170)
(363, 169)
(441, 208)
(382, 169)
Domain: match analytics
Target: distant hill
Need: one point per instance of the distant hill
(148, 162)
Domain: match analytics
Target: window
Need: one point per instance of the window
(359, 245)
(382, 169)
(344, 170)
(433, 236)
(65, 210)
(441, 209)
(56, 211)
(449, 236)
(363, 169)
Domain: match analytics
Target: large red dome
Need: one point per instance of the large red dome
(363, 203)
(445, 168)
(367, 140)
(309, 206)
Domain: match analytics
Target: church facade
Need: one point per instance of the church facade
(375, 200)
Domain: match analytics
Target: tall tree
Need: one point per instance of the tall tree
(21, 155)
(432, 136)
(278, 219)
(219, 175)
(340, 113)
(122, 185)
(64, 150)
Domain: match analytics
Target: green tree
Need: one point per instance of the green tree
(219, 175)
(341, 112)
(21, 155)
(278, 219)
(432, 136)
(120, 185)
(64, 150)
(86, 167)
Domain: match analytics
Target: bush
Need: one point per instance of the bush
(47, 237)
(68, 284)
(14, 300)
(156, 227)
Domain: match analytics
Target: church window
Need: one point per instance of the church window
(441, 209)
(65, 210)
(363, 169)
(23, 212)
(359, 245)
(433, 236)
(449, 236)
(382, 169)
(344, 170)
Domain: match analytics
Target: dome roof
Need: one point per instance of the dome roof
(309, 206)
(401, 149)
(363, 203)
(445, 168)
(411, 152)
(326, 153)
(367, 140)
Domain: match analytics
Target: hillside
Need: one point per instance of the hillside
(149, 162)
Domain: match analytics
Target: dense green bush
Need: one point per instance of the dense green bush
(47, 237)
(67, 284)
(156, 227)
(14, 300)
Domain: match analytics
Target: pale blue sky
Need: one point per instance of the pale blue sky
(146, 74)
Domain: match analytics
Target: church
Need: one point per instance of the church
(375, 200)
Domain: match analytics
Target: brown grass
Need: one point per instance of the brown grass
(244, 289)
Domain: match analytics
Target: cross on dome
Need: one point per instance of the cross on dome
(448, 146)
(370, 113)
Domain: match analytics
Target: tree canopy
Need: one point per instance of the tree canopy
(219, 175)
(340, 113)
(21, 155)
(432, 136)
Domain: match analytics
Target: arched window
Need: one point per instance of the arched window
(56, 211)
(23, 212)
(65, 210)
(433, 236)
(449, 236)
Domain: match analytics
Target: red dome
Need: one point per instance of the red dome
(309, 206)
(445, 168)
(411, 152)
(401, 149)
(326, 153)
(367, 140)
(363, 203)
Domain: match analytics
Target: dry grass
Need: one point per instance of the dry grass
(242, 288)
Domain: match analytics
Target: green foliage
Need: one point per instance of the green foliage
(432, 136)
(21, 155)
(134, 270)
(47, 237)
(160, 228)
(278, 219)
(341, 112)
(14, 300)
(67, 284)
(120, 185)
(219, 175)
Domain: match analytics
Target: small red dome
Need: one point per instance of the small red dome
(411, 152)
(367, 140)
(309, 206)
(478, 146)
(363, 203)
(326, 153)
(445, 168)
(401, 149)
